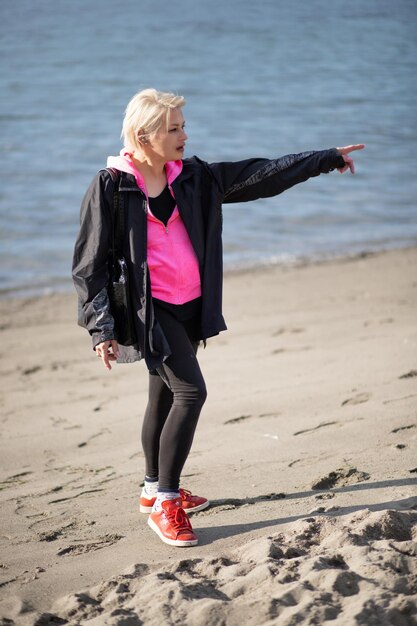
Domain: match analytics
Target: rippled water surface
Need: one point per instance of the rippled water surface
(261, 79)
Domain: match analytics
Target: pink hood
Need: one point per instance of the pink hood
(124, 163)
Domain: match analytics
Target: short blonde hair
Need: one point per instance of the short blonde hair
(147, 111)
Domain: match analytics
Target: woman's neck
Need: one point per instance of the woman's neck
(154, 174)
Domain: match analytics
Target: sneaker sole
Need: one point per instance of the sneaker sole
(200, 507)
(171, 542)
(145, 509)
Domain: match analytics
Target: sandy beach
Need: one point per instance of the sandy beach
(306, 449)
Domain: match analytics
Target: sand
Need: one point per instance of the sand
(306, 449)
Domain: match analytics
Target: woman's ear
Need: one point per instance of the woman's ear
(142, 138)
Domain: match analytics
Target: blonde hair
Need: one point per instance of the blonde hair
(147, 111)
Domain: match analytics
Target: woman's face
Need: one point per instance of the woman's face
(169, 144)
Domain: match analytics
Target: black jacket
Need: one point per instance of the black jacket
(200, 190)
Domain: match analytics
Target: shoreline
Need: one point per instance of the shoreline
(65, 286)
(307, 442)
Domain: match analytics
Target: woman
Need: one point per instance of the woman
(173, 249)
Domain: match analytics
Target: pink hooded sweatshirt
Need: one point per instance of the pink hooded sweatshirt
(172, 262)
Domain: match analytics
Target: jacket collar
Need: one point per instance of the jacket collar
(131, 178)
(128, 181)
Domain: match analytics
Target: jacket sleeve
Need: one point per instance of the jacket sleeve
(242, 181)
(90, 261)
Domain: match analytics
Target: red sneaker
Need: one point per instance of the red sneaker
(172, 525)
(145, 502)
(190, 503)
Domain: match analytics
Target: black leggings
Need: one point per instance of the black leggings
(176, 396)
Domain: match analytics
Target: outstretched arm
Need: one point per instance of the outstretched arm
(243, 181)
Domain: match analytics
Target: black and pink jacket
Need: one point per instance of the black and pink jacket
(173, 265)
(199, 189)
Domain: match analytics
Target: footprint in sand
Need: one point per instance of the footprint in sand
(31, 370)
(294, 462)
(310, 430)
(16, 479)
(410, 374)
(340, 478)
(226, 504)
(400, 428)
(281, 350)
(56, 533)
(57, 365)
(57, 421)
(235, 420)
(412, 395)
(77, 495)
(358, 399)
(101, 432)
(387, 320)
(281, 331)
(91, 546)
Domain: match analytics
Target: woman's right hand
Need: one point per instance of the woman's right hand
(349, 165)
(108, 351)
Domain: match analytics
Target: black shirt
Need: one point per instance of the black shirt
(163, 205)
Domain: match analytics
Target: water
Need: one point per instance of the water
(262, 79)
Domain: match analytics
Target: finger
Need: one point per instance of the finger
(351, 148)
(103, 351)
(105, 358)
(356, 146)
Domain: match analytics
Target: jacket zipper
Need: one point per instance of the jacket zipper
(165, 226)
